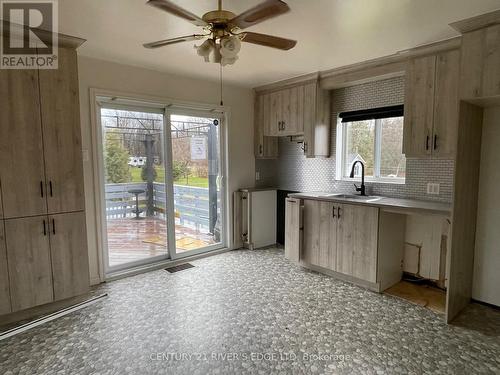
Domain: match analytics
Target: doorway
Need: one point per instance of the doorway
(162, 183)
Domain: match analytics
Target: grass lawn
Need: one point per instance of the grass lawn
(160, 172)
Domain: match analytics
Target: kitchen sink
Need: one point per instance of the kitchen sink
(365, 198)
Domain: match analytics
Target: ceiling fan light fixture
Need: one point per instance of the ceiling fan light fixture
(230, 46)
(205, 49)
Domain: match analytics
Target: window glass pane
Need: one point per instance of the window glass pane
(392, 159)
(360, 143)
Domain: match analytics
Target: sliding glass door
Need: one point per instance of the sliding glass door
(162, 183)
(197, 175)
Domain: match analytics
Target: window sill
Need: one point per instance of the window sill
(393, 181)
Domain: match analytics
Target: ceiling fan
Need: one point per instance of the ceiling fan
(223, 30)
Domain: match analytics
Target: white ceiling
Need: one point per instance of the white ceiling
(330, 33)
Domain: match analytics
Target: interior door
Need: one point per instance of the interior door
(30, 271)
(4, 274)
(195, 182)
(70, 262)
(21, 148)
(62, 136)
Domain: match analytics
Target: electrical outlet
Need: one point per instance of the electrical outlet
(432, 188)
(257, 176)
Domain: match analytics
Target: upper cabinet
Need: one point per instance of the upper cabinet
(431, 105)
(301, 109)
(480, 71)
(265, 147)
(60, 108)
(40, 140)
(22, 171)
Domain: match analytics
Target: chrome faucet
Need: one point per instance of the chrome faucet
(362, 188)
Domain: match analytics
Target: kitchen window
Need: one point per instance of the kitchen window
(374, 137)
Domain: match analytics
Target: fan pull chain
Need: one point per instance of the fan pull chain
(221, 100)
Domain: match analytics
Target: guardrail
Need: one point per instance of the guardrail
(191, 203)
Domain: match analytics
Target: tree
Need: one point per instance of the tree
(116, 159)
(180, 169)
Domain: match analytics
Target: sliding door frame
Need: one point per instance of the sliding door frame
(170, 185)
(98, 221)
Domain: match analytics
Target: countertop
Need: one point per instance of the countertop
(403, 205)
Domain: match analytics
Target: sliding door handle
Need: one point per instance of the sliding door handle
(435, 141)
(50, 188)
(44, 228)
(53, 226)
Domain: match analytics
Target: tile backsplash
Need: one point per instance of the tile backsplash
(293, 171)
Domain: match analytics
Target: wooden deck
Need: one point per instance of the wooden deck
(131, 240)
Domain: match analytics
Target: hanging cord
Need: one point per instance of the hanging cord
(221, 100)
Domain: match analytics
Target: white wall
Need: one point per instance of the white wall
(486, 286)
(101, 74)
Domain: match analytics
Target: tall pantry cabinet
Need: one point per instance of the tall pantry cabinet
(43, 246)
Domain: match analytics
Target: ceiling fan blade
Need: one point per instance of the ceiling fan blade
(167, 42)
(176, 10)
(259, 13)
(268, 40)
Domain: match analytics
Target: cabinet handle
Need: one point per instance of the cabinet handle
(50, 188)
(44, 228)
(53, 226)
(260, 149)
(435, 141)
(338, 212)
(333, 211)
(305, 147)
(427, 143)
(283, 125)
(41, 189)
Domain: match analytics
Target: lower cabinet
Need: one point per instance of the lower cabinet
(340, 237)
(320, 234)
(5, 307)
(357, 241)
(70, 263)
(28, 254)
(47, 258)
(293, 229)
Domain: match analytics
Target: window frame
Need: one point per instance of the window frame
(341, 142)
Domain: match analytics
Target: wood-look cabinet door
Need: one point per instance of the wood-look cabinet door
(28, 254)
(60, 110)
(293, 229)
(320, 231)
(275, 113)
(5, 306)
(293, 111)
(310, 101)
(419, 106)
(480, 66)
(444, 139)
(68, 247)
(357, 238)
(21, 150)
(265, 147)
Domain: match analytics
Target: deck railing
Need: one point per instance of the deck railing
(191, 203)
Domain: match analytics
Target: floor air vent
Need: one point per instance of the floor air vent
(180, 267)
